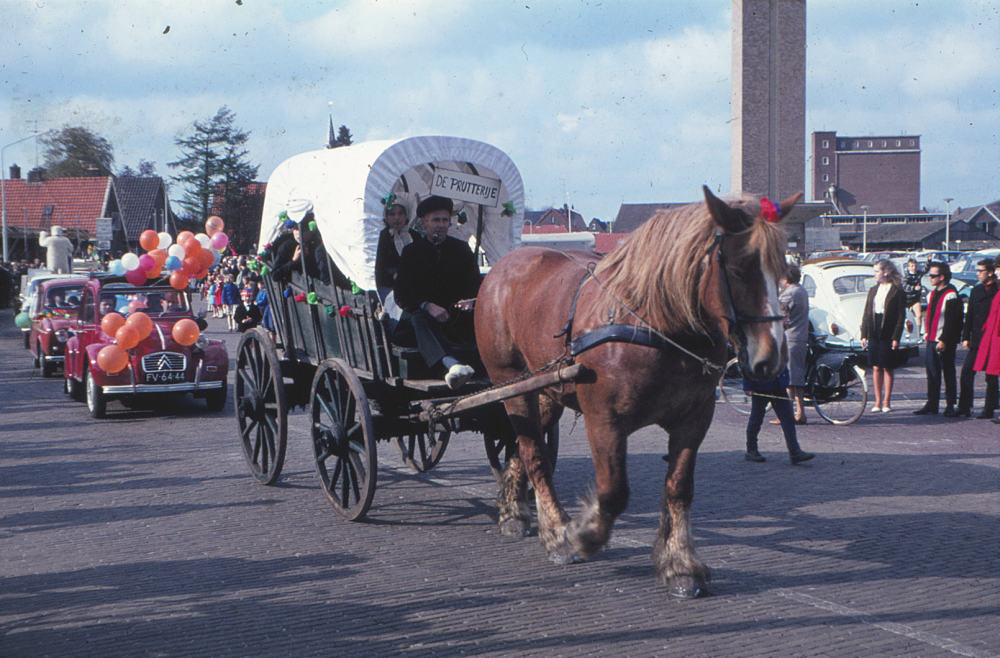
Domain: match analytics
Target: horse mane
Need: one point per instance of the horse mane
(659, 272)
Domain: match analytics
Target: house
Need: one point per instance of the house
(242, 210)
(552, 217)
(37, 204)
(920, 235)
(985, 218)
(144, 205)
(633, 215)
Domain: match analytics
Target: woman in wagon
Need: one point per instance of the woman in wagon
(400, 212)
(882, 327)
(435, 273)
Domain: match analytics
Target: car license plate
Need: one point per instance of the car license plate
(164, 377)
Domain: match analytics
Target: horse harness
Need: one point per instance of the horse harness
(646, 336)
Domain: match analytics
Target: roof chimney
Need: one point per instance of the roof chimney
(35, 175)
(15, 172)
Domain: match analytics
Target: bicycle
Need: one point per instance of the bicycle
(836, 386)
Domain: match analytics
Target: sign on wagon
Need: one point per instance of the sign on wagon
(466, 187)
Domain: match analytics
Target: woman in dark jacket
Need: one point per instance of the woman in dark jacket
(882, 327)
(400, 212)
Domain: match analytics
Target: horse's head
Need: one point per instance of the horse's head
(751, 252)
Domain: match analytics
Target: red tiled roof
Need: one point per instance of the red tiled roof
(73, 203)
(605, 242)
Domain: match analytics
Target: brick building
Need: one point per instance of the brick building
(882, 173)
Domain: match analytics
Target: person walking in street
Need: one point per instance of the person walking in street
(944, 330)
(773, 391)
(794, 304)
(881, 328)
(980, 301)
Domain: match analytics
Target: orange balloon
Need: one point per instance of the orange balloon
(206, 258)
(190, 265)
(191, 246)
(185, 331)
(160, 256)
(149, 240)
(141, 323)
(112, 322)
(182, 236)
(200, 274)
(155, 272)
(213, 225)
(112, 358)
(178, 280)
(135, 305)
(127, 337)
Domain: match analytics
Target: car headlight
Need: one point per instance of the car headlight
(834, 329)
(202, 342)
(62, 335)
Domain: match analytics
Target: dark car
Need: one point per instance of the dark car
(56, 306)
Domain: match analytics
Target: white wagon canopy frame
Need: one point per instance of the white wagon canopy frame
(346, 187)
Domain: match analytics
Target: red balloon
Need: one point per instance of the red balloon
(179, 280)
(141, 322)
(183, 236)
(112, 358)
(206, 257)
(191, 246)
(149, 240)
(200, 274)
(146, 262)
(185, 331)
(127, 337)
(191, 265)
(111, 323)
(136, 277)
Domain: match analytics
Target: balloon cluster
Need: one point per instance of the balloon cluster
(189, 258)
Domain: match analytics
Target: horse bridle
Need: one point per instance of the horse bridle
(736, 320)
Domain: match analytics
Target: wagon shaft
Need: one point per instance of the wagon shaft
(447, 408)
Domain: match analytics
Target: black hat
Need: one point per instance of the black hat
(432, 203)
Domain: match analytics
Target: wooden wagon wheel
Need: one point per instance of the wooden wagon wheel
(500, 447)
(422, 452)
(343, 439)
(261, 410)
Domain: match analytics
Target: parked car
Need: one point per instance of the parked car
(837, 290)
(56, 307)
(158, 364)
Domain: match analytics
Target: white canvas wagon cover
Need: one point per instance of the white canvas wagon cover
(346, 186)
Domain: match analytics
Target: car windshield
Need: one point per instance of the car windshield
(63, 297)
(149, 301)
(853, 283)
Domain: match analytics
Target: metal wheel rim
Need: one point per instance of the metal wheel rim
(261, 411)
(731, 389)
(848, 409)
(343, 439)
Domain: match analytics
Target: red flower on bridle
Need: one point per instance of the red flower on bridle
(769, 211)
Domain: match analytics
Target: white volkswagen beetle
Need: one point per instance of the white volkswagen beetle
(837, 291)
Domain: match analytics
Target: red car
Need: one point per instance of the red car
(57, 306)
(158, 364)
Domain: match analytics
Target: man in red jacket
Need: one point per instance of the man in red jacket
(944, 331)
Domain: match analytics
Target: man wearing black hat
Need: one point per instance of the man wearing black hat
(435, 272)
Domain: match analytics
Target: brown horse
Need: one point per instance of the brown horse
(649, 322)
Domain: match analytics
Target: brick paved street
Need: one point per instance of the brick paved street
(144, 535)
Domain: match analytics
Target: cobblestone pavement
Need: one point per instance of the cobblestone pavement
(144, 535)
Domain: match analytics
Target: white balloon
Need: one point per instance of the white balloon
(130, 262)
(178, 251)
(165, 239)
(206, 242)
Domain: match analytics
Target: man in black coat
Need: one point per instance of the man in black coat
(980, 300)
(944, 331)
(435, 273)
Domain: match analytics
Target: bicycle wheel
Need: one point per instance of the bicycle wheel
(731, 388)
(849, 402)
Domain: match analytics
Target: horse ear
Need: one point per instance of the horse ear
(786, 206)
(732, 220)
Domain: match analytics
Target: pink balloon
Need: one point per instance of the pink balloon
(136, 277)
(146, 262)
(220, 240)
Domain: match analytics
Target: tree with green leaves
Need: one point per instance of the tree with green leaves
(75, 151)
(214, 158)
(344, 136)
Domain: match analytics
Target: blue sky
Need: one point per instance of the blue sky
(596, 102)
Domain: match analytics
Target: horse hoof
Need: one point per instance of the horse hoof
(686, 588)
(514, 528)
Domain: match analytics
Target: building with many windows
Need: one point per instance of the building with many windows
(882, 173)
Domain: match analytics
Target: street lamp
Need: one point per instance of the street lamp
(3, 193)
(864, 231)
(947, 224)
